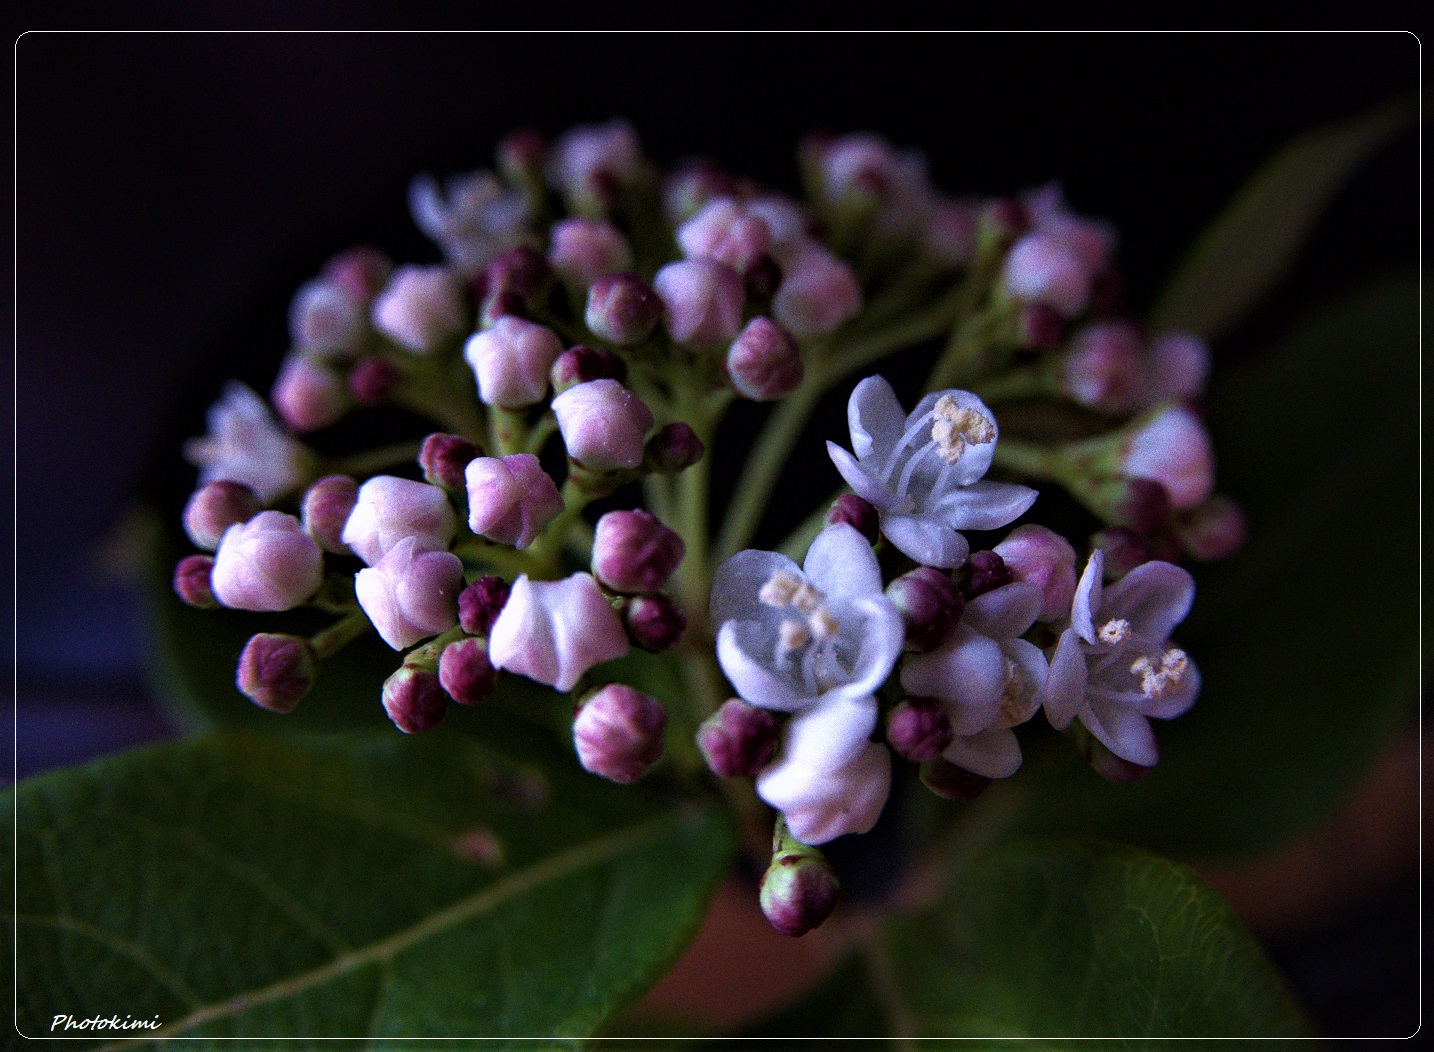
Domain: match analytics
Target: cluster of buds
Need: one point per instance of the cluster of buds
(590, 323)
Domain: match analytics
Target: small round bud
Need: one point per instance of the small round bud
(674, 448)
(984, 572)
(276, 670)
(420, 308)
(361, 272)
(191, 581)
(520, 273)
(703, 301)
(950, 782)
(480, 604)
(390, 509)
(918, 729)
(603, 425)
(1046, 559)
(510, 499)
(818, 293)
(1040, 327)
(372, 381)
(799, 892)
(414, 699)
(634, 552)
(930, 605)
(691, 186)
(411, 593)
(725, 231)
(1173, 448)
(1104, 762)
(328, 503)
(465, 672)
(444, 458)
(1142, 505)
(1124, 550)
(309, 395)
(521, 155)
(511, 362)
(764, 363)
(267, 564)
(1044, 268)
(216, 506)
(578, 365)
(618, 733)
(858, 513)
(738, 739)
(1212, 530)
(654, 622)
(622, 309)
(949, 233)
(584, 250)
(1104, 367)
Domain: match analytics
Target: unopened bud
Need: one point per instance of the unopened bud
(266, 564)
(622, 309)
(1212, 530)
(1104, 366)
(799, 891)
(511, 362)
(414, 699)
(420, 308)
(725, 231)
(372, 381)
(326, 508)
(930, 605)
(578, 365)
(703, 301)
(584, 250)
(480, 604)
(764, 363)
(361, 272)
(634, 552)
(444, 458)
(674, 448)
(738, 739)
(276, 670)
(1173, 448)
(618, 733)
(603, 425)
(214, 507)
(950, 782)
(984, 572)
(309, 395)
(919, 729)
(1124, 550)
(654, 622)
(1102, 761)
(466, 673)
(521, 155)
(1039, 327)
(818, 293)
(858, 513)
(1043, 268)
(191, 581)
(521, 273)
(691, 186)
(1045, 559)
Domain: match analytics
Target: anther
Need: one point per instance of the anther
(955, 427)
(1116, 631)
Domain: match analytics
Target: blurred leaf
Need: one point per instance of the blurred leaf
(1308, 638)
(370, 887)
(1239, 258)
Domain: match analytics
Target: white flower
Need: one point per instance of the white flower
(1114, 666)
(390, 509)
(245, 444)
(923, 472)
(554, 631)
(412, 593)
(988, 679)
(472, 219)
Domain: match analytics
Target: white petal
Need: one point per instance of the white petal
(738, 580)
(983, 505)
(867, 487)
(1122, 730)
(882, 638)
(1005, 612)
(968, 673)
(875, 418)
(1065, 683)
(750, 677)
(831, 734)
(820, 805)
(1088, 597)
(841, 564)
(1031, 661)
(1154, 598)
(975, 459)
(993, 753)
(1176, 702)
(926, 539)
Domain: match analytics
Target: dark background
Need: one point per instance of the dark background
(173, 190)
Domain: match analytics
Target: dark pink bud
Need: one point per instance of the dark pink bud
(618, 733)
(276, 670)
(763, 276)
(950, 782)
(1040, 327)
(191, 581)
(930, 605)
(918, 729)
(764, 363)
(480, 604)
(520, 272)
(622, 309)
(691, 186)
(738, 739)
(858, 513)
(1142, 505)
(634, 552)
(1104, 762)
(674, 448)
(654, 622)
(499, 305)
(414, 699)
(799, 892)
(521, 155)
(372, 380)
(578, 365)
(1124, 550)
(1006, 218)
(444, 459)
(465, 672)
(216, 506)
(327, 506)
(984, 572)
(1212, 530)
(361, 272)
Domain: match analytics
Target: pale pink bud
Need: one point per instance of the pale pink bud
(725, 231)
(1092, 240)
(703, 300)
(950, 782)
(390, 509)
(634, 552)
(191, 581)
(554, 631)
(593, 160)
(328, 503)
(411, 593)
(861, 165)
(1179, 366)
(521, 273)
(421, 308)
(738, 739)
(361, 272)
(930, 605)
(214, 507)
(1212, 530)
(414, 699)
(818, 293)
(372, 380)
(764, 363)
(325, 319)
(480, 604)
(622, 309)
(309, 395)
(674, 448)
(1043, 268)
(787, 223)
(510, 499)
(603, 425)
(1174, 450)
(919, 729)
(691, 186)
(511, 361)
(465, 672)
(618, 733)
(655, 622)
(578, 365)
(1045, 559)
(268, 563)
(861, 515)
(1103, 369)
(799, 892)
(276, 670)
(444, 458)
(583, 250)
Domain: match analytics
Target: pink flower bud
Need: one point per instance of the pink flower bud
(411, 593)
(584, 250)
(191, 581)
(787, 222)
(1179, 366)
(1043, 268)
(618, 733)
(421, 308)
(857, 513)
(984, 572)
(622, 309)
(1045, 559)
(578, 365)
(725, 231)
(799, 892)
(390, 509)
(603, 425)
(919, 729)
(444, 458)
(691, 186)
(372, 381)
(465, 672)
(521, 155)
(703, 301)
(1174, 450)
(1103, 369)
(634, 552)
(818, 293)
(328, 503)
(674, 448)
(510, 499)
(654, 622)
(860, 166)
(1212, 530)
(360, 272)
(309, 395)
(764, 363)
(326, 319)
(1123, 549)
(414, 699)
(480, 603)
(554, 631)
(214, 507)
(268, 563)
(1040, 327)
(521, 273)
(950, 782)
(930, 605)
(276, 670)
(591, 161)
(511, 362)
(738, 739)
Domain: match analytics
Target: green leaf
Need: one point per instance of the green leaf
(368, 887)
(1058, 940)
(1255, 241)
(1308, 639)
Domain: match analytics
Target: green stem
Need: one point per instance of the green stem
(546, 552)
(339, 634)
(1017, 383)
(1027, 458)
(372, 460)
(495, 556)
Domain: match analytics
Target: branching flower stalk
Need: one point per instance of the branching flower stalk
(590, 325)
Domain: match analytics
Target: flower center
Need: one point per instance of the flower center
(1115, 631)
(955, 427)
(1015, 709)
(1157, 682)
(808, 621)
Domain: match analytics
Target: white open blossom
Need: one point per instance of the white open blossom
(246, 444)
(472, 218)
(1114, 666)
(924, 472)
